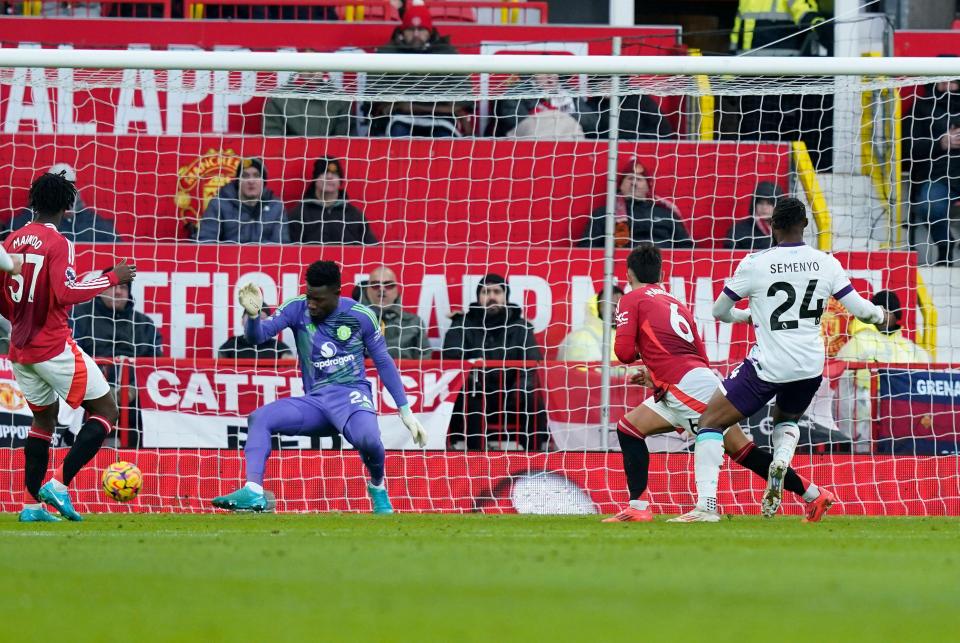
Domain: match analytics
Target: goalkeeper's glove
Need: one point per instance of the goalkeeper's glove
(251, 299)
(417, 432)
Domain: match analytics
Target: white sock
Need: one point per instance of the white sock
(254, 487)
(59, 486)
(639, 505)
(785, 438)
(812, 493)
(382, 485)
(36, 506)
(707, 460)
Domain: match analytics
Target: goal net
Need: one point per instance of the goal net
(479, 206)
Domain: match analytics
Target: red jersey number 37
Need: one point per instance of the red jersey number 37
(27, 279)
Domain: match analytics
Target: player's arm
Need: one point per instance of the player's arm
(723, 309)
(377, 349)
(736, 288)
(625, 342)
(63, 278)
(10, 263)
(862, 309)
(259, 330)
(844, 292)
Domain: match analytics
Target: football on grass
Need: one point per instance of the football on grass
(122, 481)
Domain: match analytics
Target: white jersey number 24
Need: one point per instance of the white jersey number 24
(806, 311)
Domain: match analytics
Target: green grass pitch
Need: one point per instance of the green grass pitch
(332, 577)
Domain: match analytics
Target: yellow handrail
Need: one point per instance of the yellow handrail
(866, 133)
(928, 337)
(510, 16)
(811, 187)
(707, 104)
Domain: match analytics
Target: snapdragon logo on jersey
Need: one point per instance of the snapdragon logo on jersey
(328, 350)
(185, 406)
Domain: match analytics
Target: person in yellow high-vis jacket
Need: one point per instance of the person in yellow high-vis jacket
(585, 344)
(762, 23)
(780, 28)
(884, 344)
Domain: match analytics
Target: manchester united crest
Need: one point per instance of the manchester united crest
(11, 399)
(201, 180)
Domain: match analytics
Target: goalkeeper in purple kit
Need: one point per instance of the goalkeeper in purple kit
(332, 333)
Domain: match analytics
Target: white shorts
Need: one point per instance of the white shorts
(71, 375)
(685, 402)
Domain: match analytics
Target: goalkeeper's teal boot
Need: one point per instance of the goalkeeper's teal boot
(379, 498)
(57, 496)
(243, 499)
(32, 514)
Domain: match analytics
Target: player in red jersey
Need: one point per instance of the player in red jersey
(654, 326)
(47, 363)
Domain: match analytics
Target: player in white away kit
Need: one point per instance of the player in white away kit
(787, 287)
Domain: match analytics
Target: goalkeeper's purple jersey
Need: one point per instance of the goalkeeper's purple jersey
(332, 352)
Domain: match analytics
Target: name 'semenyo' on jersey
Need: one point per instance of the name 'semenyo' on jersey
(796, 266)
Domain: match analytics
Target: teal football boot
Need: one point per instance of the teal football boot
(59, 499)
(31, 514)
(380, 499)
(243, 499)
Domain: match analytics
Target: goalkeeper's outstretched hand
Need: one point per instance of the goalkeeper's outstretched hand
(417, 432)
(251, 299)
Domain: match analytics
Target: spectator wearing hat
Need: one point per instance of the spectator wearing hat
(753, 232)
(417, 35)
(494, 329)
(245, 210)
(403, 331)
(325, 215)
(639, 216)
(239, 347)
(881, 343)
(79, 225)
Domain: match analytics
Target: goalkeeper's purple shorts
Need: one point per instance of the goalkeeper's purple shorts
(348, 409)
(332, 406)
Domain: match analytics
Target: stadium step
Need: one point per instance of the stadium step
(941, 283)
(857, 214)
